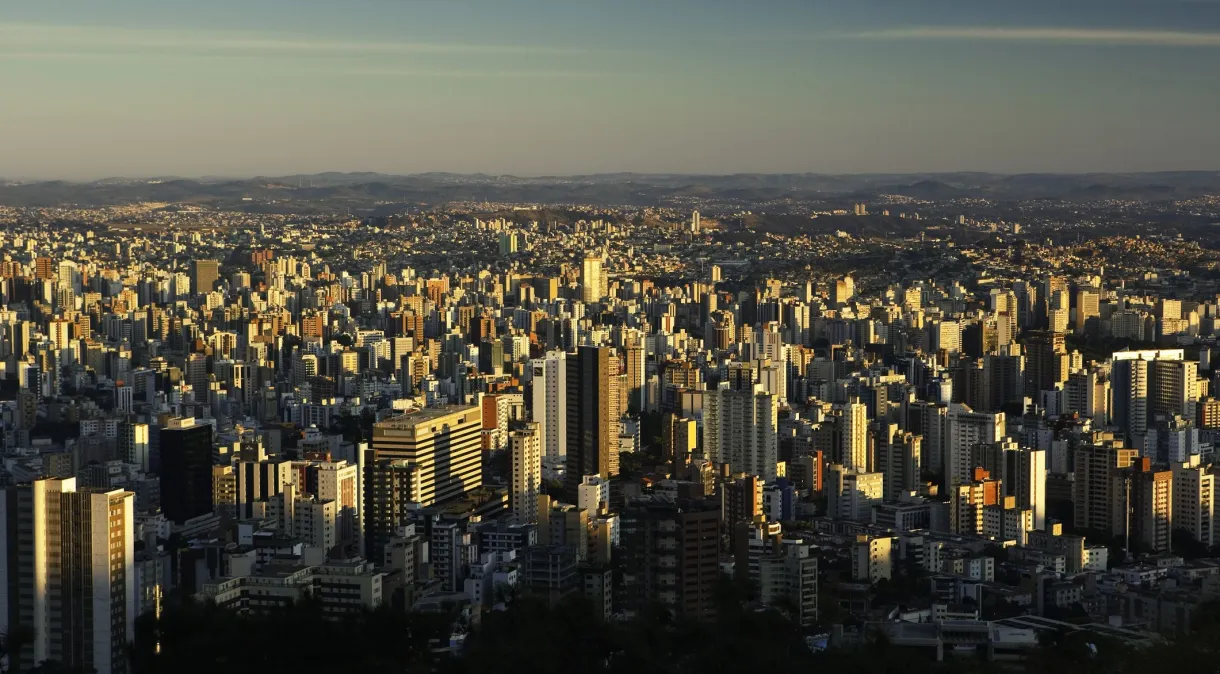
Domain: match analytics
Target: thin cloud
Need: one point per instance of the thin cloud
(28, 38)
(1099, 36)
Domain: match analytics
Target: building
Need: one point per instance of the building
(258, 482)
(1088, 309)
(783, 570)
(593, 494)
(1025, 478)
(1099, 499)
(740, 429)
(592, 432)
(1194, 494)
(873, 557)
(69, 574)
(966, 428)
(1147, 383)
(592, 280)
(969, 500)
(204, 274)
(186, 470)
(1006, 521)
(442, 445)
(852, 495)
(551, 572)
(1043, 370)
(853, 445)
(340, 588)
(549, 405)
(899, 460)
(679, 440)
(1150, 499)
(525, 444)
(670, 555)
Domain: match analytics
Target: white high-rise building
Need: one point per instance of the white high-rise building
(965, 429)
(73, 552)
(592, 494)
(1194, 499)
(740, 428)
(526, 447)
(549, 406)
(1025, 472)
(899, 456)
(853, 450)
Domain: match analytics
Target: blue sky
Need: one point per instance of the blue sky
(226, 87)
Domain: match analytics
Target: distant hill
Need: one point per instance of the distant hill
(367, 190)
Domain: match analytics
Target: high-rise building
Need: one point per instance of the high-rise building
(186, 469)
(670, 555)
(204, 274)
(258, 482)
(1088, 309)
(968, 501)
(1043, 370)
(1129, 386)
(852, 495)
(525, 444)
(898, 459)
(1150, 499)
(592, 434)
(635, 372)
(740, 429)
(549, 405)
(782, 569)
(1194, 500)
(134, 444)
(853, 436)
(443, 444)
(69, 574)
(388, 488)
(592, 280)
(1173, 389)
(1006, 521)
(679, 440)
(1003, 378)
(593, 495)
(965, 429)
(1147, 383)
(1100, 496)
(338, 482)
(1025, 479)
(929, 420)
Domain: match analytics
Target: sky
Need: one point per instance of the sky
(142, 88)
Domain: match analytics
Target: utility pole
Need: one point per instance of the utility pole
(1127, 536)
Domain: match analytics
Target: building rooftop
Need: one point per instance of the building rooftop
(424, 415)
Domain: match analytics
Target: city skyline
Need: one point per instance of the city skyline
(546, 88)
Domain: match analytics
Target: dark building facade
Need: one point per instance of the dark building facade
(186, 470)
(671, 555)
(592, 433)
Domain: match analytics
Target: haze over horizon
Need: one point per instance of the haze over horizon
(540, 87)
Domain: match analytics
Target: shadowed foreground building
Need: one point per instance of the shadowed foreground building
(69, 574)
(670, 555)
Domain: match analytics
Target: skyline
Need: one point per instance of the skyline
(545, 88)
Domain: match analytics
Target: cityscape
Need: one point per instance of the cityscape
(745, 410)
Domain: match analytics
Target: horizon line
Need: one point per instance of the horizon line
(543, 176)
